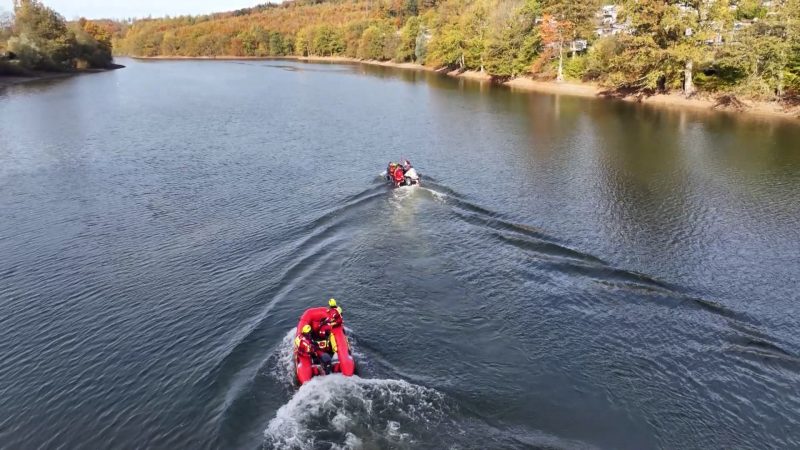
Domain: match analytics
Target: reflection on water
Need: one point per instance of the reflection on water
(572, 273)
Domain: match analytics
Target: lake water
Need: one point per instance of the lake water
(572, 273)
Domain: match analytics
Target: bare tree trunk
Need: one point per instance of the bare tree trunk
(483, 49)
(572, 48)
(560, 76)
(688, 84)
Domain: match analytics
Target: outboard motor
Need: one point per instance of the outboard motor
(410, 181)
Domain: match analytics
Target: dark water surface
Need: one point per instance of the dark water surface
(573, 274)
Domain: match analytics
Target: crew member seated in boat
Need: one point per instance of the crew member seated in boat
(334, 318)
(304, 344)
(320, 335)
(390, 169)
(316, 350)
(398, 175)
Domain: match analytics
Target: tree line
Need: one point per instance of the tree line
(35, 37)
(747, 47)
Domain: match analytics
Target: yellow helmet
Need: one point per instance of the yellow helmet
(332, 303)
(306, 329)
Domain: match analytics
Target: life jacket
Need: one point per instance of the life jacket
(334, 317)
(399, 175)
(322, 345)
(320, 335)
(303, 345)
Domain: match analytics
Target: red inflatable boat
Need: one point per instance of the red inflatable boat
(332, 347)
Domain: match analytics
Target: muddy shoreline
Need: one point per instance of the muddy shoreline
(11, 80)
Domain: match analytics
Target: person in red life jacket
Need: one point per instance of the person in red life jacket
(303, 343)
(390, 170)
(399, 175)
(305, 346)
(333, 319)
(321, 334)
(321, 331)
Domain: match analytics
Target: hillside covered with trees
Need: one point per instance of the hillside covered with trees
(743, 47)
(37, 38)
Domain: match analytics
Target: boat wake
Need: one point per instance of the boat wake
(353, 412)
(392, 407)
(348, 412)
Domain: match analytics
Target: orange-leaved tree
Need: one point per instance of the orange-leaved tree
(554, 34)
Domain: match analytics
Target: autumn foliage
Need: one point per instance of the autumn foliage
(746, 47)
(38, 38)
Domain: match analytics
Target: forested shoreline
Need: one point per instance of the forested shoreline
(749, 48)
(731, 48)
(36, 39)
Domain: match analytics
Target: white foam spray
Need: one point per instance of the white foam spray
(353, 412)
(281, 366)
